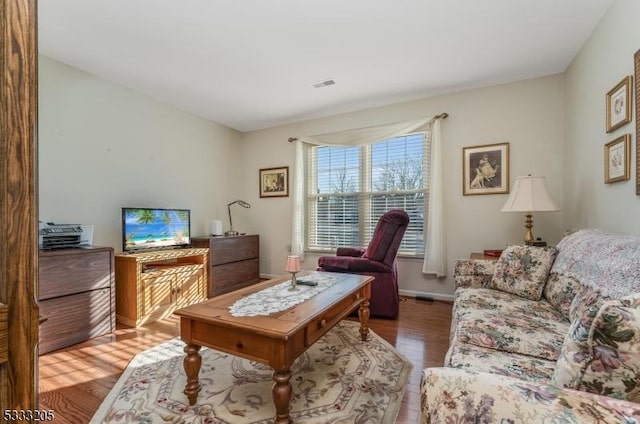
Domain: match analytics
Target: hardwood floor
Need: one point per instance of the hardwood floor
(74, 381)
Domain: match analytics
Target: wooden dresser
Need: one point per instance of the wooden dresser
(234, 262)
(76, 295)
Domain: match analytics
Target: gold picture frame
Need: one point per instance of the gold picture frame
(485, 169)
(619, 104)
(617, 159)
(274, 182)
(636, 61)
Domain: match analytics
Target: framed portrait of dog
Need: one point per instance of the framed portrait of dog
(485, 169)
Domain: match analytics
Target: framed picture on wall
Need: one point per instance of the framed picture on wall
(619, 104)
(617, 159)
(636, 66)
(274, 182)
(485, 169)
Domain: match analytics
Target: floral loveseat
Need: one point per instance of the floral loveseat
(543, 335)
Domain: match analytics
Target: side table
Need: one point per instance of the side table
(480, 255)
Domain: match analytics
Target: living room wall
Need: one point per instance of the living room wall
(102, 147)
(605, 59)
(527, 114)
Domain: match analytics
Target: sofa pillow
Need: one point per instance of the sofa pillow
(523, 270)
(601, 352)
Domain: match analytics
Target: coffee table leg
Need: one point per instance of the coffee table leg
(363, 314)
(192, 362)
(282, 391)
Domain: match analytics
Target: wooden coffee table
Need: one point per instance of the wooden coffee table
(275, 340)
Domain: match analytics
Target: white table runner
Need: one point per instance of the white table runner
(278, 298)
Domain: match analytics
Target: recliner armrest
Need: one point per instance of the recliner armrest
(351, 264)
(355, 252)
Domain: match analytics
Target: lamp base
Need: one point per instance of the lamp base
(294, 284)
(528, 234)
(537, 242)
(231, 233)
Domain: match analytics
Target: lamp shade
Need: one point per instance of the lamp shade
(293, 264)
(529, 194)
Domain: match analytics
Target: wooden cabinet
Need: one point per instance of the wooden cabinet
(151, 285)
(76, 296)
(234, 262)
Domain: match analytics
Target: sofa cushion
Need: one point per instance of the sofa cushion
(560, 292)
(506, 322)
(469, 300)
(523, 270)
(451, 396)
(479, 359)
(601, 352)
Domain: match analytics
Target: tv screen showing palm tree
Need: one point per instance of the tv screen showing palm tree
(151, 228)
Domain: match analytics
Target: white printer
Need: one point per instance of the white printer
(58, 236)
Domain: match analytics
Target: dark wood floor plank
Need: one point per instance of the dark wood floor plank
(74, 381)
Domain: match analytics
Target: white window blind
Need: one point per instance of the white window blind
(349, 188)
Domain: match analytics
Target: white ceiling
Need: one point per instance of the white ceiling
(250, 64)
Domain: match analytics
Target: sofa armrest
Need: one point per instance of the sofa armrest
(455, 395)
(473, 272)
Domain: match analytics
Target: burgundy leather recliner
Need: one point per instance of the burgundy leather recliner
(377, 260)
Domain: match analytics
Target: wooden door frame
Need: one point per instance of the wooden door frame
(18, 202)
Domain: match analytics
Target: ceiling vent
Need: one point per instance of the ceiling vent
(324, 83)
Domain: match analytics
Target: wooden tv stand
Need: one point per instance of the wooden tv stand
(151, 285)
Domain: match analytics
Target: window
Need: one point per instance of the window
(349, 188)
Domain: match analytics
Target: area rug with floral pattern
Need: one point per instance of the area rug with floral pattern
(339, 379)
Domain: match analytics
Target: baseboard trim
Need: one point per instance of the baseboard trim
(427, 295)
(408, 293)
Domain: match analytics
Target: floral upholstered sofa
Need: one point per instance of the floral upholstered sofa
(543, 335)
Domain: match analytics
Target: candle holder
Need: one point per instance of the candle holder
(293, 266)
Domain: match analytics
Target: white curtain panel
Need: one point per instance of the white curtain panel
(434, 260)
(297, 223)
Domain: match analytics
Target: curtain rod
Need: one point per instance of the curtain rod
(443, 115)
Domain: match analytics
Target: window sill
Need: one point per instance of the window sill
(332, 252)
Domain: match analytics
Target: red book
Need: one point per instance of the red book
(493, 252)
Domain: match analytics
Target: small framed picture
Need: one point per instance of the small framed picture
(485, 169)
(617, 159)
(619, 104)
(274, 182)
(636, 66)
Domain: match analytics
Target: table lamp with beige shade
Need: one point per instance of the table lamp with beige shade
(529, 194)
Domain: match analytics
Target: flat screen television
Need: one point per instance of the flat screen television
(153, 228)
